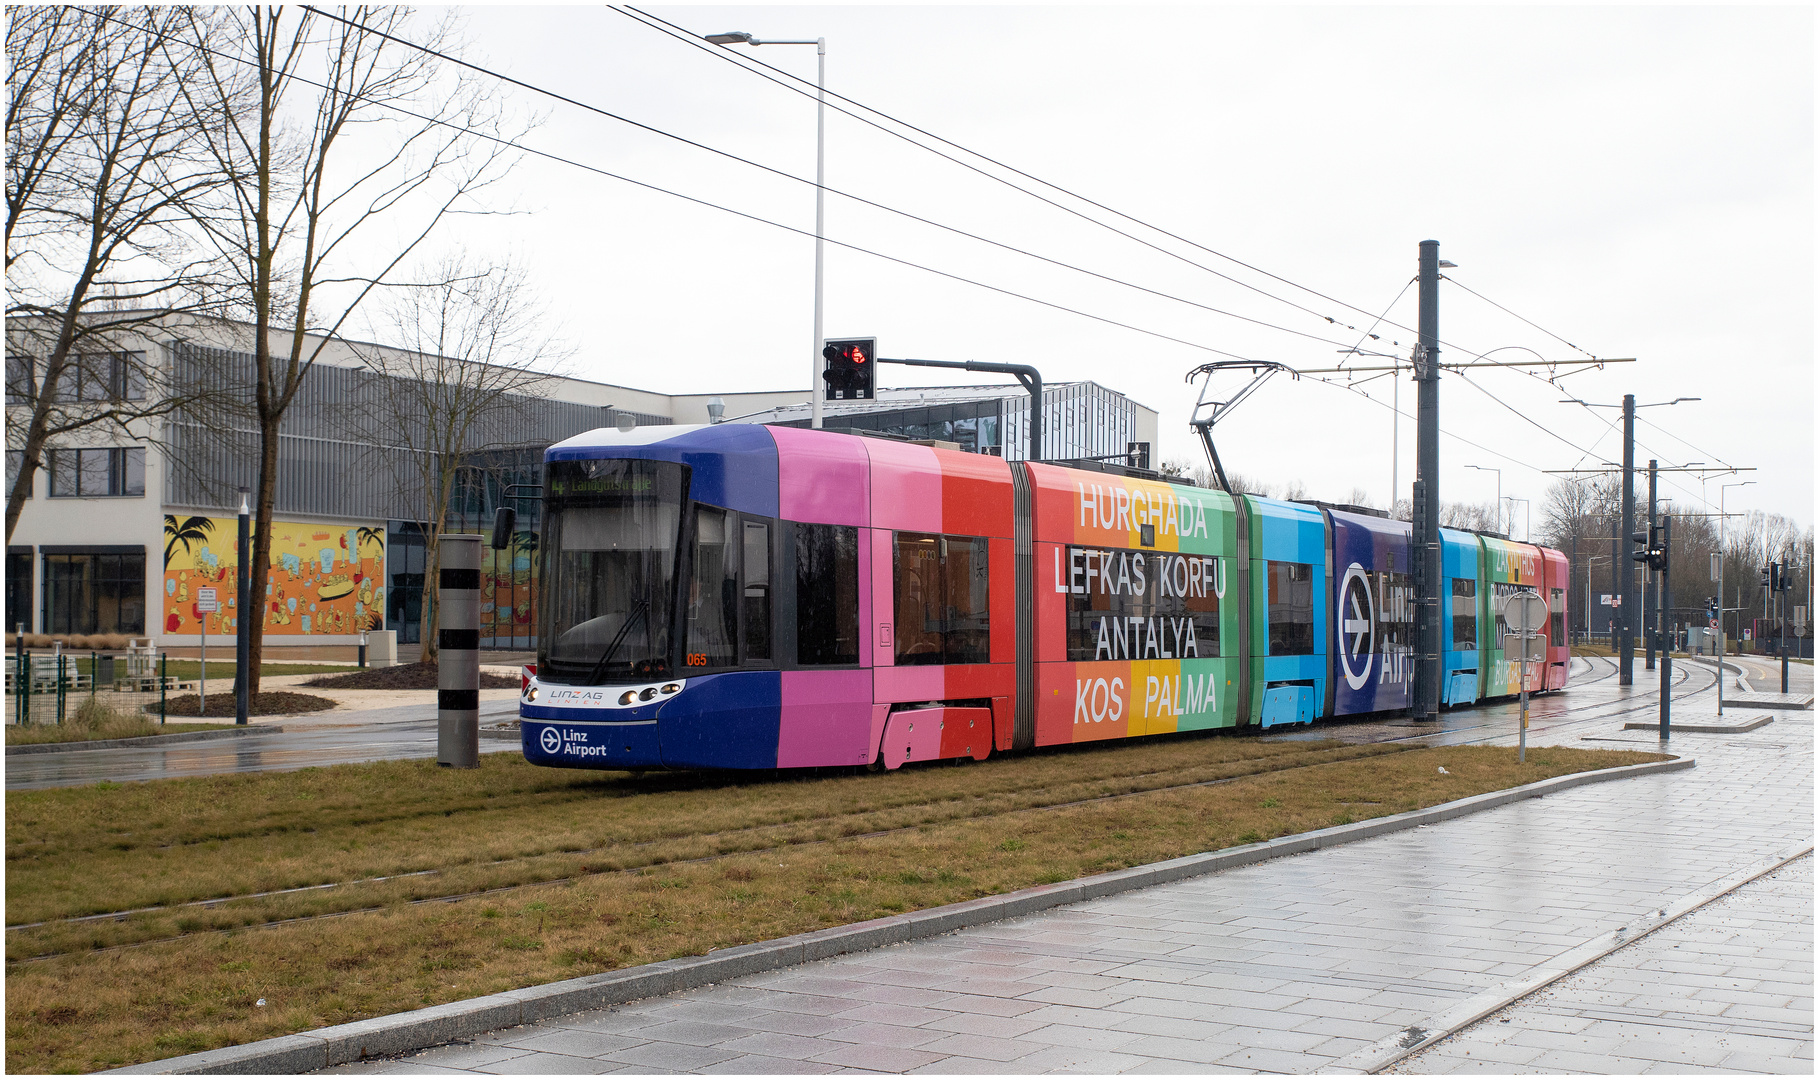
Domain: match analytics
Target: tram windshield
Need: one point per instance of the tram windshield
(610, 543)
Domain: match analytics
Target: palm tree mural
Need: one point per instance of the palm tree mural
(375, 537)
(196, 529)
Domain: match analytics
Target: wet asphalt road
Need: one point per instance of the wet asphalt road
(409, 731)
(403, 731)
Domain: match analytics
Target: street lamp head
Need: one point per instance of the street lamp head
(1444, 265)
(735, 37)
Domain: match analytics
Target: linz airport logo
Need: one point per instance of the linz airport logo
(1357, 627)
(569, 742)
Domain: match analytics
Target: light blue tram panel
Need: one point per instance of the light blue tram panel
(1461, 587)
(1289, 613)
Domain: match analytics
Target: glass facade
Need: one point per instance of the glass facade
(98, 590)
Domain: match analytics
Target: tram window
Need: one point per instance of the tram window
(1142, 605)
(713, 598)
(1291, 603)
(1465, 613)
(827, 594)
(757, 558)
(1556, 631)
(942, 599)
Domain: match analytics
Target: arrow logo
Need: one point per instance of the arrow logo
(1357, 627)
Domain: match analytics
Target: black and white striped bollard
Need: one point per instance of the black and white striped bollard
(458, 643)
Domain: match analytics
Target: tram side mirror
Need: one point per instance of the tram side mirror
(503, 524)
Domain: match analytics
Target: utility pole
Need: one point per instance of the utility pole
(1667, 662)
(1427, 486)
(1650, 635)
(1626, 596)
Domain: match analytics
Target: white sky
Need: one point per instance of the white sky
(1637, 180)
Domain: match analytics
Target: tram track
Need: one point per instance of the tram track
(761, 837)
(1554, 720)
(216, 903)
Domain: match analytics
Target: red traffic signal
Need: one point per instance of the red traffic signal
(850, 363)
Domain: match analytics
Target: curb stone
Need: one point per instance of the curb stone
(144, 740)
(423, 1028)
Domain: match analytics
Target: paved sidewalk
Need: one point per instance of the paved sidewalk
(1729, 987)
(1288, 966)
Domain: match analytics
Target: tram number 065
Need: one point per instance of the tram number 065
(695, 659)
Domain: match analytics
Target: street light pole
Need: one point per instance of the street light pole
(740, 37)
(1723, 522)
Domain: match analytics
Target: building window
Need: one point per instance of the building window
(115, 471)
(15, 460)
(827, 594)
(19, 379)
(1291, 608)
(942, 599)
(106, 376)
(18, 587)
(94, 590)
(1557, 616)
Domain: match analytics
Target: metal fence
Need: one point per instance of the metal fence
(51, 686)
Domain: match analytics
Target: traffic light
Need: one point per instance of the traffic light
(850, 363)
(1711, 607)
(1651, 552)
(1765, 575)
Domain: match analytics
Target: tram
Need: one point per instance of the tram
(738, 596)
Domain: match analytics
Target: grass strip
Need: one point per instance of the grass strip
(88, 1011)
(92, 719)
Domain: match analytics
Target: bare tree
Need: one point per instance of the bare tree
(1471, 517)
(471, 349)
(352, 132)
(103, 153)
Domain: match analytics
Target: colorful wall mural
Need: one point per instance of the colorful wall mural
(508, 593)
(324, 579)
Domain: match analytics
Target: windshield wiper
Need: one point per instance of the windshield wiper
(606, 657)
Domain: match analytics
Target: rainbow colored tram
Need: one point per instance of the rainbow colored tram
(747, 597)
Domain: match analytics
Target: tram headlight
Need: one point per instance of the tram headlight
(531, 694)
(670, 688)
(648, 693)
(628, 697)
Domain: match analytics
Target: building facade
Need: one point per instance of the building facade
(126, 527)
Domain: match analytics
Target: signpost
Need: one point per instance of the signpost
(1527, 612)
(206, 605)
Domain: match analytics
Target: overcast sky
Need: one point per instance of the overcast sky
(1636, 181)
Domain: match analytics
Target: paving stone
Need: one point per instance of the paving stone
(757, 1064)
(677, 1057)
(546, 1065)
(878, 1058)
(883, 1035)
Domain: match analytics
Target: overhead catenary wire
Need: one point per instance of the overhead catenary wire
(777, 75)
(1512, 314)
(784, 174)
(501, 140)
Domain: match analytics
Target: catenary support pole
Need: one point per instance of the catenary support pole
(458, 640)
(1427, 475)
(1661, 609)
(1626, 566)
(1651, 583)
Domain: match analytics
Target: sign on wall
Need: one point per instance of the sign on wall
(323, 579)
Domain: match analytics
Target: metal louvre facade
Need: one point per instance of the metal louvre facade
(1079, 420)
(346, 444)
